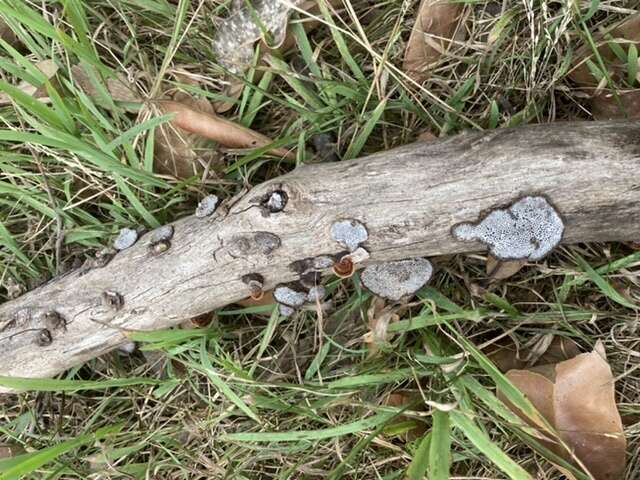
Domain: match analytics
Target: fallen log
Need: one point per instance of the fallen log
(408, 199)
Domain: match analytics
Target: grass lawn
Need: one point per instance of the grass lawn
(254, 395)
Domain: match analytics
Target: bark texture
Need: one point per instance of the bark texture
(408, 198)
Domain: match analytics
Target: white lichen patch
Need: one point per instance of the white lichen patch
(207, 206)
(527, 230)
(322, 262)
(349, 233)
(234, 41)
(395, 280)
(125, 239)
(288, 296)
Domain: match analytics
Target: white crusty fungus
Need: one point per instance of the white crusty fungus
(528, 230)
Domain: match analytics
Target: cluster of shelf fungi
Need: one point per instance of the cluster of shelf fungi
(528, 229)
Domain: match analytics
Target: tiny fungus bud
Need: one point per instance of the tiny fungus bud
(275, 201)
(125, 239)
(290, 297)
(160, 247)
(395, 280)
(344, 268)
(349, 233)
(161, 239)
(44, 338)
(359, 255)
(527, 230)
(316, 294)
(255, 282)
(112, 300)
(207, 206)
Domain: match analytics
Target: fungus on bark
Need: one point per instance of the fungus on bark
(255, 282)
(349, 233)
(398, 279)
(125, 239)
(275, 201)
(527, 230)
(290, 296)
(44, 338)
(316, 294)
(161, 239)
(207, 206)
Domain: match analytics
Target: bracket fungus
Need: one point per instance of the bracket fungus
(346, 264)
(395, 280)
(527, 230)
(161, 239)
(125, 239)
(289, 296)
(349, 233)
(207, 206)
(255, 282)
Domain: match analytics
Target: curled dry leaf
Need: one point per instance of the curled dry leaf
(178, 150)
(380, 316)
(577, 398)
(499, 269)
(435, 26)
(223, 131)
(49, 69)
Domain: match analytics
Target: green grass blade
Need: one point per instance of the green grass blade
(604, 286)
(439, 451)
(32, 461)
(309, 435)
(483, 443)
(420, 462)
(358, 142)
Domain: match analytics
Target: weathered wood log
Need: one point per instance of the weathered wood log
(409, 198)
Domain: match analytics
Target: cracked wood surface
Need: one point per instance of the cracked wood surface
(408, 198)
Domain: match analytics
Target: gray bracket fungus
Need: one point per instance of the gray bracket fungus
(316, 294)
(207, 206)
(395, 280)
(527, 230)
(349, 233)
(125, 239)
(286, 295)
(161, 239)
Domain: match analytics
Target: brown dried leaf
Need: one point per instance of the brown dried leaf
(604, 106)
(218, 129)
(580, 404)
(7, 34)
(506, 356)
(178, 151)
(49, 69)
(436, 23)
(119, 88)
(499, 270)
(10, 450)
(628, 29)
